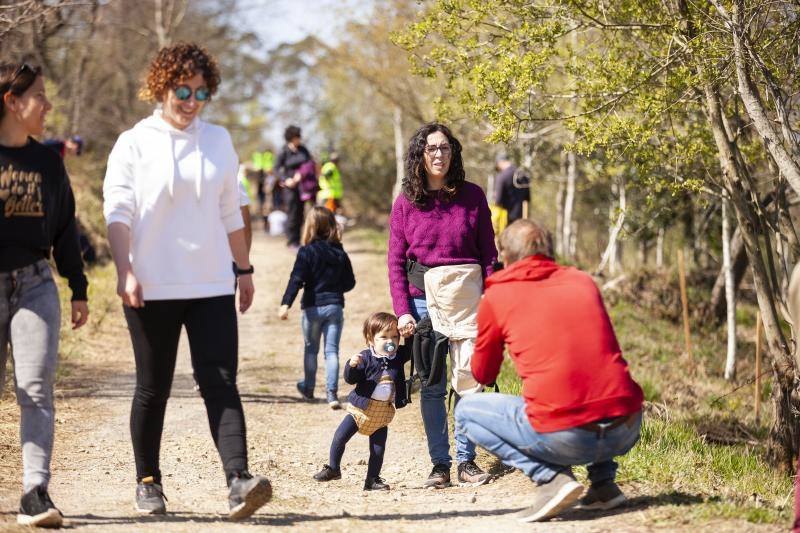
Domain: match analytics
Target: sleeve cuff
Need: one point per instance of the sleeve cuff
(118, 217)
(78, 285)
(233, 222)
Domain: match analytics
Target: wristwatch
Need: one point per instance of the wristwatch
(241, 271)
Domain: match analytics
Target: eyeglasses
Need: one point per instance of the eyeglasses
(431, 149)
(184, 92)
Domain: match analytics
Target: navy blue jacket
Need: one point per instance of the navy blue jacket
(368, 373)
(324, 271)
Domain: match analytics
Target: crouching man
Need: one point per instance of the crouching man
(579, 404)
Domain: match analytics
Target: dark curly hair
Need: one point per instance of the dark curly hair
(416, 177)
(176, 63)
(291, 132)
(16, 78)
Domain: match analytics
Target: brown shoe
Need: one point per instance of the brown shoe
(439, 477)
(549, 499)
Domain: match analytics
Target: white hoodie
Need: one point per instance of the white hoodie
(178, 193)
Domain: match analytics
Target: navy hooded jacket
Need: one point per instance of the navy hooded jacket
(324, 271)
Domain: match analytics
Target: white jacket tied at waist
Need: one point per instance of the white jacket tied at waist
(452, 294)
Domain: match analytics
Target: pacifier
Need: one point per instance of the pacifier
(387, 349)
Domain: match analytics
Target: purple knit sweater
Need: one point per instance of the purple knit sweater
(441, 233)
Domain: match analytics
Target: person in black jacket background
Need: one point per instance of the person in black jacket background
(292, 156)
(323, 270)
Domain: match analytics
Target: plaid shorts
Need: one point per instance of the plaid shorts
(378, 414)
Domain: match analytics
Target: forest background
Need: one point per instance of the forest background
(647, 127)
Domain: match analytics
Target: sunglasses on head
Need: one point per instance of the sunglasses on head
(23, 68)
(20, 70)
(184, 92)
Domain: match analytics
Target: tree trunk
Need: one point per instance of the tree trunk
(715, 310)
(560, 245)
(730, 294)
(160, 27)
(755, 109)
(78, 84)
(660, 248)
(397, 125)
(610, 255)
(569, 200)
(785, 431)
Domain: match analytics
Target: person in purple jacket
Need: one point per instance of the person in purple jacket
(439, 219)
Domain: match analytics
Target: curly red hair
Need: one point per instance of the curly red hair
(176, 63)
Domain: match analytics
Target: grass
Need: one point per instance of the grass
(694, 449)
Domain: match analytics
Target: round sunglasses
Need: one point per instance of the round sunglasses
(184, 92)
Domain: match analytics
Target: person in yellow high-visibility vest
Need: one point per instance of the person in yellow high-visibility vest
(330, 184)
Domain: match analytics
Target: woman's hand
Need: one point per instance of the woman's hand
(80, 313)
(355, 360)
(129, 289)
(406, 325)
(283, 312)
(246, 292)
(292, 182)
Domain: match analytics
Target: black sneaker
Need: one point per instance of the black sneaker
(36, 509)
(375, 483)
(471, 475)
(333, 401)
(150, 497)
(439, 477)
(247, 494)
(328, 474)
(305, 395)
(602, 497)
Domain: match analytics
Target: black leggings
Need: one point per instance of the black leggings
(213, 341)
(377, 446)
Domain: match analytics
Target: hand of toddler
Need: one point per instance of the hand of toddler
(355, 360)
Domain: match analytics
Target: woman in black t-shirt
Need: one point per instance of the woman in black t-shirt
(37, 218)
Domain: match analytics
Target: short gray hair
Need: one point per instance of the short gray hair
(524, 238)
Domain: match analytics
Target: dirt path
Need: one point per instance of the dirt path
(93, 480)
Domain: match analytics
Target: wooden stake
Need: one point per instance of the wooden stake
(759, 330)
(684, 304)
(525, 210)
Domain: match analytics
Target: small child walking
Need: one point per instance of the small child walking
(323, 270)
(379, 377)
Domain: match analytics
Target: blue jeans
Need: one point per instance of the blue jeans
(498, 423)
(30, 320)
(324, 320)
(434, 412)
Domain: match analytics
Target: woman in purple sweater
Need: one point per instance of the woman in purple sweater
(439, 219)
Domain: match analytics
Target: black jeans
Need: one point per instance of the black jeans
(213, 341)
(294, 215)
(377, 446)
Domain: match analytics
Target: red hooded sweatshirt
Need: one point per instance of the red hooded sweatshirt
(560, 337)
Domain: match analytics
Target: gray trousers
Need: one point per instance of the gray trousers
(30, 319)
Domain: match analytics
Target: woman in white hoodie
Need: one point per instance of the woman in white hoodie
(172, 209)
